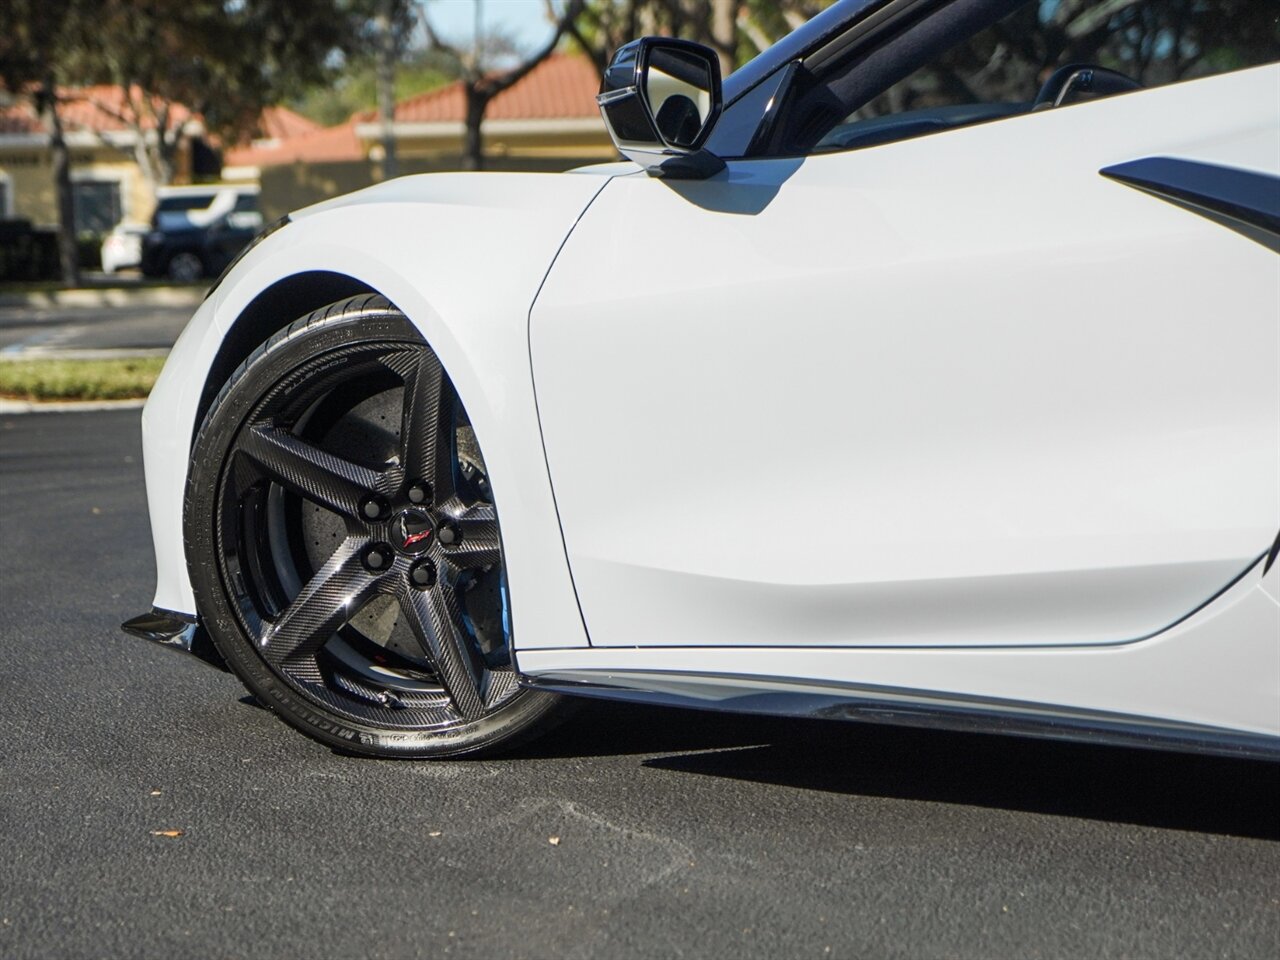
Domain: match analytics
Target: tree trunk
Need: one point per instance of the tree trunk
(386, 78)
(68, 255)
(724, 33)
(479, 89)
(146, 162)
(473, 146)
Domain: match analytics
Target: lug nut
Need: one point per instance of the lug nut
(423, 574)
(377, 557)
(419, 492)
(449, 534)
(371, 508)
(389, 699)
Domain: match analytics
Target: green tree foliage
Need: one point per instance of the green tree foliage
(229, 60)
(224, 59)
(355, 89)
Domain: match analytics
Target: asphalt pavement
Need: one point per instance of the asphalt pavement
(31, 330)
(678, 834)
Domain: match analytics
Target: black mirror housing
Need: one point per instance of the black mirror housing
(660, 99)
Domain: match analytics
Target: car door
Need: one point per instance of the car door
(958, 389)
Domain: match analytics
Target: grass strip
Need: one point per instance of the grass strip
(118, 378)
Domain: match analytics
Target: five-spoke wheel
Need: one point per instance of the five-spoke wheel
(346, 542)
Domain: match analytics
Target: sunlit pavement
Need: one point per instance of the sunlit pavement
(38, 330)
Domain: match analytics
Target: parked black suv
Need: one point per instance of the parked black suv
(196, 232)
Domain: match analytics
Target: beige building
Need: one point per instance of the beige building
(108, 186)
(548, 121)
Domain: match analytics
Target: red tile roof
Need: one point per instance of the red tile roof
(281, 123)
(97, 109)
(562, 86)
(18, 117)
(321, 145)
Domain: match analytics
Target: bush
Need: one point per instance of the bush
(30, 255)
(89, 251)
(27, 254)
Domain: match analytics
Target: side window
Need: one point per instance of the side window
(179, 212)
(1043, 55)
(181, 204)
(245, 214)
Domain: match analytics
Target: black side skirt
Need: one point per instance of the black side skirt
(975, 716)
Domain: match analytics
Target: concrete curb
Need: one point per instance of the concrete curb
(108, 297)
(66, 406)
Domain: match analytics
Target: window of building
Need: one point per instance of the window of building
(98, 206)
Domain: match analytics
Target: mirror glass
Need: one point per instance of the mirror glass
(678, 88)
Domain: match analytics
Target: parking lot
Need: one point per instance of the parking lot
(27, 330)
(628, 832)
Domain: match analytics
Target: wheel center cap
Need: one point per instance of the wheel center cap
(411, 531)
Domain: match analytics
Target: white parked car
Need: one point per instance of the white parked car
(867, 389)
(122, 247)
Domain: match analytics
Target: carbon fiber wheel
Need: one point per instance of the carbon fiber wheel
(344, 543)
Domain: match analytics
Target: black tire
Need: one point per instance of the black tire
(186, 266)
(288, 561)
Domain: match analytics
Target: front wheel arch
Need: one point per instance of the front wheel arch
(273, 309)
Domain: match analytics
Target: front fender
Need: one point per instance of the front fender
(463, 256)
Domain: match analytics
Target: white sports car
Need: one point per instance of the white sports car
(920, 372)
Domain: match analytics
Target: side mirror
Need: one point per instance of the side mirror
(660, 98)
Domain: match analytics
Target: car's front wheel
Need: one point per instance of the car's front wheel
(343, 543)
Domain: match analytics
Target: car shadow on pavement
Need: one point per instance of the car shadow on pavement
(1146, 787)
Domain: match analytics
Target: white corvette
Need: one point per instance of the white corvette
(842, 399)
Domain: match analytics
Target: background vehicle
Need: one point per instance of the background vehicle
(197, 231)
(122, 247)
(970, 420)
